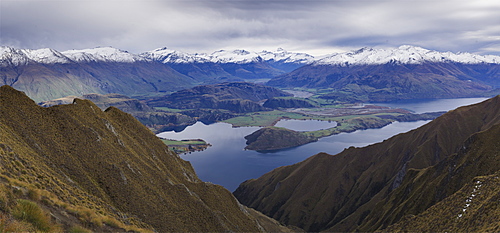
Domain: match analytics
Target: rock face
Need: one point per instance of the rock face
(91, 164)
(236, 97)
(403, 180)
(274, 138)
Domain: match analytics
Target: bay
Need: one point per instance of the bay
(226, 162)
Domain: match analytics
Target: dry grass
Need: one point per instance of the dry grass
(30, 212)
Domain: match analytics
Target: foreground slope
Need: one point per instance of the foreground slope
(106, 162)
(348, 191)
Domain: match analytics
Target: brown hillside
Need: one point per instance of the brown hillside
(321, 192)
(470, 181)
(78, 157)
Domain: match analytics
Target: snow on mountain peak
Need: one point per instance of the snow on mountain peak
(166, 55)
(281, 55)
(235, 56)
(24, 56)
(405, 54)
(47, 56)
(106, 54)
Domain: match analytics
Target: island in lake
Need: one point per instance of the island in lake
(186, 146)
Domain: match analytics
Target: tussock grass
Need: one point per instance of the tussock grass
(8, 224)
(30, 212)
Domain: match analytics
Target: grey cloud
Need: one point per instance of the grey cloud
(208, 25)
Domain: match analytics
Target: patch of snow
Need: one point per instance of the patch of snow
(167, 55)
(17, 57)
(235, 56)
(103, 54)
(405, 54)
(281, 55)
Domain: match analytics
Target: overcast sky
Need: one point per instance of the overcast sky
(313, 26)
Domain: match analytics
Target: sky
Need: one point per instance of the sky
(317, 27)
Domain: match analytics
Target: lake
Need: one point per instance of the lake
(228, 164)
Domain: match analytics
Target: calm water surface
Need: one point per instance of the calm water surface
(305, 125)
(228, 164)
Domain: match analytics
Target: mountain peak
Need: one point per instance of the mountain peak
(404, 54)
(24, 56)
(107, 54)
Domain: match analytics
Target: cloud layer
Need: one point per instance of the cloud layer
(314, 26)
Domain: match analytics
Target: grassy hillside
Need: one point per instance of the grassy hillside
(101, 171)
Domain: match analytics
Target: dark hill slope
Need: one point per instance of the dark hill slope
(236, 97)
(324, 190)
(393, 81)
(77, 157)
(473, 170)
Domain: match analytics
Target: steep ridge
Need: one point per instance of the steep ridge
(337, 192)
(474, 169)
(78, 157)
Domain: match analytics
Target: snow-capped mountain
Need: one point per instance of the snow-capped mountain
(281, 55)
(105, 69)
(166, 55)
(103, 54)
(404, 54)
(16, 57)
(406, 72)
(51, 56)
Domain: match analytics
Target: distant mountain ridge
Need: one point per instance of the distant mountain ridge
(380, 74)
(404, 54)
(391, 74)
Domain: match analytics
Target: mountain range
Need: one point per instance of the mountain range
(442, 176)
(374, 74)
(406, 72)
